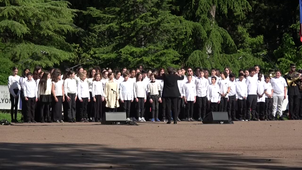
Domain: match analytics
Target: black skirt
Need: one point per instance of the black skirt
(45, 98)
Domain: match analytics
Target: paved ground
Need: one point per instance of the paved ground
(243, 145)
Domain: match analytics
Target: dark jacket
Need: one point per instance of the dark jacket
(170, 85)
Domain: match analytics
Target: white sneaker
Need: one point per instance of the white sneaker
(128, 120)
(246, 120)
(143, 119)
(140, 119)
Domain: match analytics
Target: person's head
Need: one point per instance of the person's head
(201, 73)
(170, 70)
(292, 67)
(252, 71)
(37, 69)
(152, 77)
(183, 71)
(241, 76)
(241, 71)
(144, 73)
(224, 75)
(25, 71)
(139, 77)
(97, 69)
(246, 73)
(105, 74)
(213, 72)
(138, 70)
(109, 70)
(218, 73)
(29, 76)
(267, 78)
(206, 73)
(257, 69)
(213, 80)
(118, 74)
(111, 76)
(259, 76)
(197, 71)
(278, 73)
(190, 71)
(71, 74)
(126, 76)
(133, 73)
(83, 76)
(14, 71)
(189, 77)
(149, 73)
(232, 77)
(141, 68)
(227, 70)
(124, 70)
(80, 70)
(56, 75)
(97, 77)
(162, 71)
(92, 73)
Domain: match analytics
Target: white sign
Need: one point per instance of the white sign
(5, 99)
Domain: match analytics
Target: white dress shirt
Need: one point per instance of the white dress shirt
(97, 88)
(47, 90)
(224, 86)
(232, 85)
(251, 83)
(14, 83)
(278, 85)
(140, 90)
(58, 87)
(260, 91)
(83, 89)
(70, 86)
(189, 91)
(213, 93)
(126, 90)
(268, 87)
(90, 81)
(30, 89)
(201, 84)
(241, 89)
(153, 88)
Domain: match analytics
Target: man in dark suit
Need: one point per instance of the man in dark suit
(171, 93)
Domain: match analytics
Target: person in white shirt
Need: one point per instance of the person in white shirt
(154, 91)
(191, 73)
(44, 97)
(213, 95)
(201, 84)
(232, 97)
(241, 91)
(224, 91)
(251, 82)
(189, 92)
(280, 91)
(84, 97)
(268, 98)
(118, 77)
(140, 97)
(30, 95)
(98, 96)
(90, 106)
(70, 89)
(22, 80)
(57, 91)
(260, 98)
(126, 94)
(14, 90)
(180, 100)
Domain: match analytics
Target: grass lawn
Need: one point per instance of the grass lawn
(6, 115)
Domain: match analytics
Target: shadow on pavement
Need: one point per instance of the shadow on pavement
(87, 156)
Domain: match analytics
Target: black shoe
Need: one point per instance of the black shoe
(235, 119)
(178, 119)
(175, 122)
(199, 119)
(169, 122)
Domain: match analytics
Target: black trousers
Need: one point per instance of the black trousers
(223, 105)
(140, 107)
(57, 109)
(163, 108)
(242, 109)
(261, 110)
(300, 109)
(180, 104)
(127, 107)
(294, 101)
(14, 104)
(201, 106)
(171, 103)
(71, 107)
(190, 109)
(83, 108)
(90, 107)
(31, 108)
(44, 111)
(214, 107)
(24, 109)
(251, 107)
(232, 107)
(98, 107)
(268, 108)
(154, 106)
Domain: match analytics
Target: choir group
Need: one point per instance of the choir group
(85, 95)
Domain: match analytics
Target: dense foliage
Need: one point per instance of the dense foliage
(152, 33)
